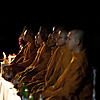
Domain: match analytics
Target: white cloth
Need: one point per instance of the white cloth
(2, 65)
(7, 90)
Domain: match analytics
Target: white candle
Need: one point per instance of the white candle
(4, 56)
(11, 58)
(1, 68)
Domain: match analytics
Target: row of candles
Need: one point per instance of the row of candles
(10, 57)
(6, 61)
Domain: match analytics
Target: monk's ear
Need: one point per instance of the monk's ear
(78, 41)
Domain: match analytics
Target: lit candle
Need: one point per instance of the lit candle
(25, 32)
(4, 56)
(11, 58)
(1, 68)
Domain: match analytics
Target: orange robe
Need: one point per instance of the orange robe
(75, 83)
(20, 56)
(29, 55)
(40, 62)
(62, 63)
(40, 76)
(35, 61)
(51, 63)
(59, 61)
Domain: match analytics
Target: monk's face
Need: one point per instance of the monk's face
(24, 37)
(39, 39)
(37, 45)
(51, 40)
(27, 35)
(71, 44)
(61, 39)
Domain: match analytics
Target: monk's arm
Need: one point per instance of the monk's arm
(53, 78)
(74, 82)
(39, 75)
(19, 57)
(27, 62)
(69, 82)
(43, 64)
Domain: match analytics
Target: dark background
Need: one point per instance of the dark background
(14, 15)
(73, 14)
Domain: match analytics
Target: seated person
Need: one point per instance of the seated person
(20, 56)
(60, 60)
(51, 42)
(28, 52)
(42, 57)
(63, 61)
(76, 81)
(21, 73)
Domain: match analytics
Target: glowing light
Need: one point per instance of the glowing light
(4, 55)
(53, 29)
(25, 32)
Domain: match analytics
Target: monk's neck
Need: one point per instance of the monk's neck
(78, 50)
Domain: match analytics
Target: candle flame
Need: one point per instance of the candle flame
(4, 55)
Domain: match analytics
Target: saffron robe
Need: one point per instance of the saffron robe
(62, 63)
(40, 76)
(40, 62)
(20, 56)
(75, 83)
(29, 55)
(56, 67)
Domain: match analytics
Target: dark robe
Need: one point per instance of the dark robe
(40, 62)
(29, 54)
(56, 66)
(75, 83)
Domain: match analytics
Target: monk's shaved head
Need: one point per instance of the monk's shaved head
(75, 41)
(79, 34)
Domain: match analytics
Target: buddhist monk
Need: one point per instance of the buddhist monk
(40, 77)
(76, 81)
(29, 53)
(63, 61)
(23, 72)
(54, 58)
(62, 57)
(20, 56)
(51, 42)
(42, 57)
(19, 75)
